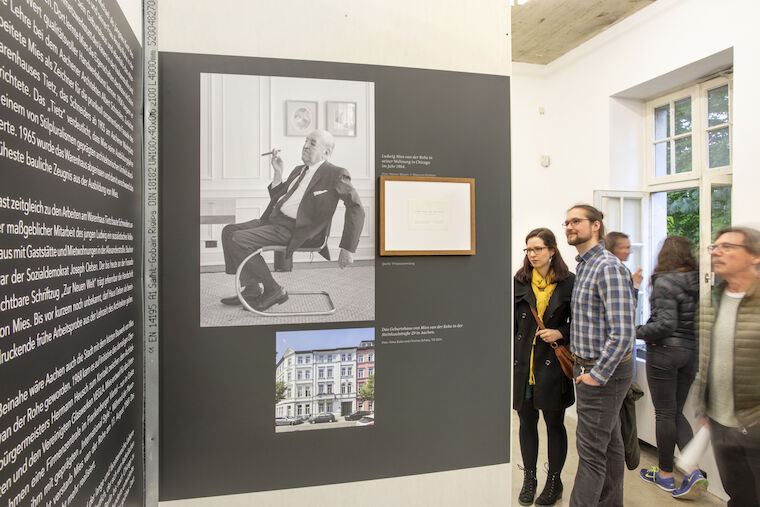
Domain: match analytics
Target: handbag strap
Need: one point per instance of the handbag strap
(538, 319)
(540, 323)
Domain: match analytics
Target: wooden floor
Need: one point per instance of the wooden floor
(637, 493)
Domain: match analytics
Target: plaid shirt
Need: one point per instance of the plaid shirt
(602, 326)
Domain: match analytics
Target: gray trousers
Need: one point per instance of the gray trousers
(601, 455)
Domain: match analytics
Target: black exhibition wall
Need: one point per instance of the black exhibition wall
(70, 254)
(434, 328)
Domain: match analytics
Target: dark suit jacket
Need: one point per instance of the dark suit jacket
(329, 184)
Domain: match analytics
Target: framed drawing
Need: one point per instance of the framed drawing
(300, 117)
(427, 215)
(341, 118)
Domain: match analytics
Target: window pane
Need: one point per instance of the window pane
(720, 208)
(683, 116)
(718, 147)
(611, 210)
(683, 214)
(662, 159)
(662, 122)
(683, 155)
(632, 218)
(717, 106)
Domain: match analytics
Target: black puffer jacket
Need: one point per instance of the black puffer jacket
(674, 304)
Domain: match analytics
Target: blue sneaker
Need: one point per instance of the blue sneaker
(693, 484)
(652, 474)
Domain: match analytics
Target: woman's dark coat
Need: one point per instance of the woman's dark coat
(553, 390)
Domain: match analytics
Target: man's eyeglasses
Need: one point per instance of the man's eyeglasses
(724, 247)
(530, 251)
(574, 222)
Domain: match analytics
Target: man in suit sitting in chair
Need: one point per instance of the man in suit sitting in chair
(299, 209)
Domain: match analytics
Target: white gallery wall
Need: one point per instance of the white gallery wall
(434, 34)
(586, 111)
(595, 138)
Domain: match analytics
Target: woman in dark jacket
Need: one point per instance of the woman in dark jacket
(672, 358)
(544, 283)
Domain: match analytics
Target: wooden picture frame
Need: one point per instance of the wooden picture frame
(300, 117)
(422, 215)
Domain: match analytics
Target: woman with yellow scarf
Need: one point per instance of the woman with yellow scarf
(545, 284)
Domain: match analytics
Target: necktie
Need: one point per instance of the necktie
(292, 188)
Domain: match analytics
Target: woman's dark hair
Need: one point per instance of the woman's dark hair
(676, 254)
(525, 273)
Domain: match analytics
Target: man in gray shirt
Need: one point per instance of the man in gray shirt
(728, 383)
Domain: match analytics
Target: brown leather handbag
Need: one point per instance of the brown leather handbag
(564, 357)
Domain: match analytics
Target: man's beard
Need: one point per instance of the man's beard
(577, 240)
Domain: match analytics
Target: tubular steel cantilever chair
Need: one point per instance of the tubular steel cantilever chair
(310, 246)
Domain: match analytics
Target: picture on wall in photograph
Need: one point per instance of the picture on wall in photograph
(286, 228)
(341, 118)
(301, 116)
(324, 379)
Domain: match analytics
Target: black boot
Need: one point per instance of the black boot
(528, 491)
(552, 491)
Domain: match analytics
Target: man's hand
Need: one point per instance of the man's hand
(549, 335)
(587, 379)
(345, 258)
(637, 277)
(278, 165)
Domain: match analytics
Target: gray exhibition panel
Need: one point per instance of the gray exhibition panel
(437, 327)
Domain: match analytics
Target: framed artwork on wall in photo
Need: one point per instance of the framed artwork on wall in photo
(301, 117)
(341, 118)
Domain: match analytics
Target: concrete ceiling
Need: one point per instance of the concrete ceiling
(544, 30)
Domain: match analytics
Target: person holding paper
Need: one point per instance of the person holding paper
(543, 284)
(672, 359)
(727, 388)
(299, 209)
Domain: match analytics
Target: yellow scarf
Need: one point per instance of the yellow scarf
(542, 289)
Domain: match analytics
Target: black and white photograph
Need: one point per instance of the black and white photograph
(324, 379)
(285, 213)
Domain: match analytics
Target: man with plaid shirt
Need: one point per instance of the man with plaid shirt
(602, 336)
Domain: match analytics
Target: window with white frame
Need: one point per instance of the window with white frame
(696, 202)
(689, 132)
(688, 176)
